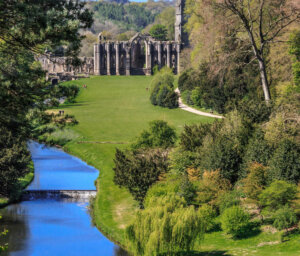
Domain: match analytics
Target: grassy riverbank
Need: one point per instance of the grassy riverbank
(112, 111)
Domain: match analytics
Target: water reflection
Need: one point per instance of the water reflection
(42, 227)
(50, 227)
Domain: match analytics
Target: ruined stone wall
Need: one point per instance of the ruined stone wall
(137, 56)
(56, 65)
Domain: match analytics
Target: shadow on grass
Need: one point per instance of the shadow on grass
(251, 233)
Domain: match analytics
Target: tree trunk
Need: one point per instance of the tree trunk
(264, 79)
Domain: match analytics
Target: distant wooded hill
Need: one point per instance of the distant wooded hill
(121, 19)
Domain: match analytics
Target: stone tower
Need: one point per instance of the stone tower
(179, 21)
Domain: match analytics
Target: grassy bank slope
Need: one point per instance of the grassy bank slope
(111, 112)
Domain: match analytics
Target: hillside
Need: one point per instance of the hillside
(120, 20)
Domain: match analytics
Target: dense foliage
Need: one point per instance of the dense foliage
(28, 28)
(14, 158)
(159, 32)
(278, 194)
(160, 135)
(162, 89)
(3, 247)
(120, 17)
(166, 226)
(284, 218)
(147, 161)
(138, 170)
(235, 221)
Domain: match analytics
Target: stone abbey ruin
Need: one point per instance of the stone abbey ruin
(137, 56)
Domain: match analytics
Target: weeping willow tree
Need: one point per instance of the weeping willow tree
(167, 226)
(3, 247)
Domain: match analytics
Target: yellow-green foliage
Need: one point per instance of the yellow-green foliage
(211, 186)
(255, 181)
(167, 225)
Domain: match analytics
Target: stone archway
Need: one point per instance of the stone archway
(138, 54)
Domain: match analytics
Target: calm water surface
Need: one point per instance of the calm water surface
(45, 227)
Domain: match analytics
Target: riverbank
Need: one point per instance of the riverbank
(112, 112)
(23, 183)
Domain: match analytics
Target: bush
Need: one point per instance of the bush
(162, 89)
(164, 188)
(192, 136)
(138, 170)
(284, 218)
(255, 181)
(228, 200)
(236, 222)
(180, 160)
(68, 91)
(257, 150)
(207, 214)
(187, 190)
(160, 135)
(285, 163)
(278, 194)
(210, 187)
(223, 155)
(14, 160)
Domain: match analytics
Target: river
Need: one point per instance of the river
(56, 227)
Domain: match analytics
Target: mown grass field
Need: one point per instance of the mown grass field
(112, 112)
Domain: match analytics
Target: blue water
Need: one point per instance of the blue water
(45, 227)
(55, 169)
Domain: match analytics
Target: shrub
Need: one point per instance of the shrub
(285, 163)
(210, 187)
(236, 222)
(160, 134)
(187, 190)
(257, 150)
(166, 97)
(68, 91)
(284, 218)
(180, 160)
(229, 199)
(278, 194)
(138, 170)
(224, 155)
(192, 136)
(254, 110)
(14, 160)
(162, 89)
(255, 181)
(188, 80)
(207, 214)
(164, 188)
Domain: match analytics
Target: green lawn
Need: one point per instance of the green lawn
(115, 110)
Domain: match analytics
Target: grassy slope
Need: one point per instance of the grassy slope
(116, 109)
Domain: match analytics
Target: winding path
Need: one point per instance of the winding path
(192, 110)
